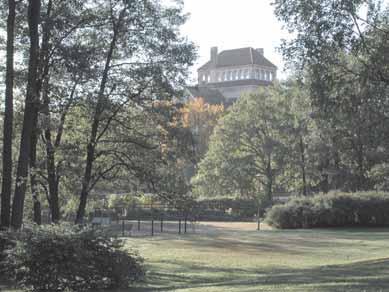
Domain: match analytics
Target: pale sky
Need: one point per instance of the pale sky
(230, 24)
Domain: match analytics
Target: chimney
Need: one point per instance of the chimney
(260, 50)
(214, 56)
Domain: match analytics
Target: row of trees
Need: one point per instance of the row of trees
(325, 129)
(95, 81)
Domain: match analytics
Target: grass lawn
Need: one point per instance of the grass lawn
(230, 257)
(225, 258)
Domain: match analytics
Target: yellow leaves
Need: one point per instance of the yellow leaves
(197, 112)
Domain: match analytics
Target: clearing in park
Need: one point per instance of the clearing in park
(228, 257)
(235, 257)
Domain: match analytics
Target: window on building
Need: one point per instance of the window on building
(246, 74)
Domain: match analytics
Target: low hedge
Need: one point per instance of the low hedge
(58, 258)
(364, 209)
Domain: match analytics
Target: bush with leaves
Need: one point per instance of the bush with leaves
(7, 241)
(364, 209)
(61, 258)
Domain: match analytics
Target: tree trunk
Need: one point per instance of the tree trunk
(269, 184)
(6, 187)
(91, 147)
(32, 101)
(33, 182)
(302, 153)
(269, 191)
(52, 178)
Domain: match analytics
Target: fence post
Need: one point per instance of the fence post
(186, 219)
(152, 226)
(161, 224)
(138, 224)
(179, 226)
(123, 228)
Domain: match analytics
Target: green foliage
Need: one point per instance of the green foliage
(122, 201)
(340, 49)
(215, 209)
(248, 149)
(60, 258)
(7, 241)
(332, 210)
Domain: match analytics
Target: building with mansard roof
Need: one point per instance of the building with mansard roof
(231, 73)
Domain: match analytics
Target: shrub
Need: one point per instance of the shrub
(7, 241)
(59, 258)
(332, 210)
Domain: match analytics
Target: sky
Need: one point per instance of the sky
(230, 24)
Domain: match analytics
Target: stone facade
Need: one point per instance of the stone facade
(233, 73)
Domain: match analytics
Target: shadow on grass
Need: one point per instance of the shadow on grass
(372, 275)
(366, 276)
(294, 242)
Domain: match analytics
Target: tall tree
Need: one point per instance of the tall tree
(31, 103)
(65, 63)
(340, 48)
(42, 84)
(6, 188)
(248, 150)
(144, 60)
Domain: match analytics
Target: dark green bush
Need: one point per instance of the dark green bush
(332, 210)
(59, 258)
(7, 241)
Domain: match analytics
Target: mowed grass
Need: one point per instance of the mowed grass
(228, 257)
(236, 257)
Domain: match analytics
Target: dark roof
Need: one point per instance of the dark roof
(211, 96)
(239, 57)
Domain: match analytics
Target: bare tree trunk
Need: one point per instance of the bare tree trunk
(32, 101)
(91, 147)
(269, 184)
(37, 216)
(52, 178)
(302, 153)
(6, 187)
